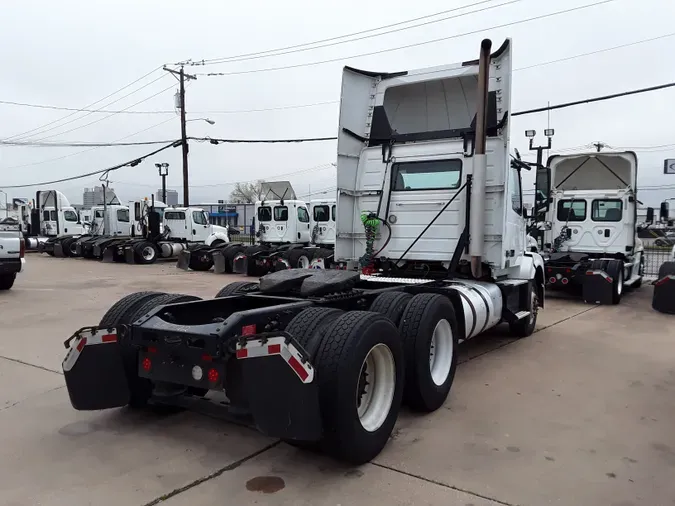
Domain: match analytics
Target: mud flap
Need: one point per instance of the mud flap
(281, 388)
(219, 262)
(108, 254)
(129, 255)
(663, 299)
(184, 260)
(94, 370)
(598, 287)
(58, 250)
(239, 264)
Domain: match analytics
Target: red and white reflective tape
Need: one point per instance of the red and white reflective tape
(665, 279)
(102, 336)
(597, 272)
(256, 348)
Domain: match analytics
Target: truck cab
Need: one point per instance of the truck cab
(12, 251)
(192, 225)
(322, 214)
(282, 222)
(589, 202)
(117, 222)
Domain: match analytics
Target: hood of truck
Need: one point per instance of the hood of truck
(594, 171)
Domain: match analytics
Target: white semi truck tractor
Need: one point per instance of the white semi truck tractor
(431, 241)
(591, 240)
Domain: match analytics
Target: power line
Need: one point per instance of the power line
(334, 41)
(596, 99)
(315, 104)
(417, 44)
(41, 128)
(105, 117)
(130, 163)
(214, 140)
(85, 150)
(80, 144)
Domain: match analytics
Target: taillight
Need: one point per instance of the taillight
(213, 375)
(22, 248)
(147, 364)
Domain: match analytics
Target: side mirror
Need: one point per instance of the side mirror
(650, 215)
(542, 189)
(663, 214)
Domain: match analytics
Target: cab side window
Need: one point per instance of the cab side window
(516, 192)
(303, 215)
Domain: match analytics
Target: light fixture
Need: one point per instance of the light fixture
(549, 132)
(530, 133)
(163, 168)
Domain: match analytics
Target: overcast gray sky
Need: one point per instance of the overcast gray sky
(72, 53)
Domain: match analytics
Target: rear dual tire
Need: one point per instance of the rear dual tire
(126, 311)
(359, 360)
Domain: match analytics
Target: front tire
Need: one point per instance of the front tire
(145, 253)
(430, 338)
(615, 270)
(525, 327)
(360, 370)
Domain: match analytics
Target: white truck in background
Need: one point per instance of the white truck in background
(53, 219)
(291, 234)
(591, 240)
(12, 252)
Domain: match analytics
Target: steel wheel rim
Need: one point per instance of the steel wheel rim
(533, 306)
(375, 388)
(73, 248)
(148, 253)
(441, 351)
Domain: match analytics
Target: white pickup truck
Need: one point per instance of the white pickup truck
(12, 251)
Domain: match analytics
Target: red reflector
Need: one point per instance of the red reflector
(248, 330)
(297, 367)
(243, 353)
(213, 375)
(608, 279)
(274, 349)
(209, 358)
(147, 364)
(565, 281)
(152, 349)
(109, 338)
(589, 273)
(81, 344)
(568, 271)
(662, 281)
(552, 279)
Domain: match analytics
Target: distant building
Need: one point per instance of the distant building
(171, 197)
(94, 197)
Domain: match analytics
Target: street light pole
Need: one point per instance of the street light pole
(163, 169)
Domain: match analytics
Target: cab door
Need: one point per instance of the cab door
(200, 225)
(304, 232)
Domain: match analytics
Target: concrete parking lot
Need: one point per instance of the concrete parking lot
(580, 413)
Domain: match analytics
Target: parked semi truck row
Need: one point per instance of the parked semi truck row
(290, 233)
(431, 235)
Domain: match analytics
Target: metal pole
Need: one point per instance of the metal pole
(183, 134)
(164, 189)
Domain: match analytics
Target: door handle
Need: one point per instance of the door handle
(607, 232)
(194, 232)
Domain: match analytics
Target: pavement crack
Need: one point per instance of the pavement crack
(16, 360)
(215, 474)
(30, 397)
(441, 484)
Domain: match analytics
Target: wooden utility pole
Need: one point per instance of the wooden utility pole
(182, 76)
